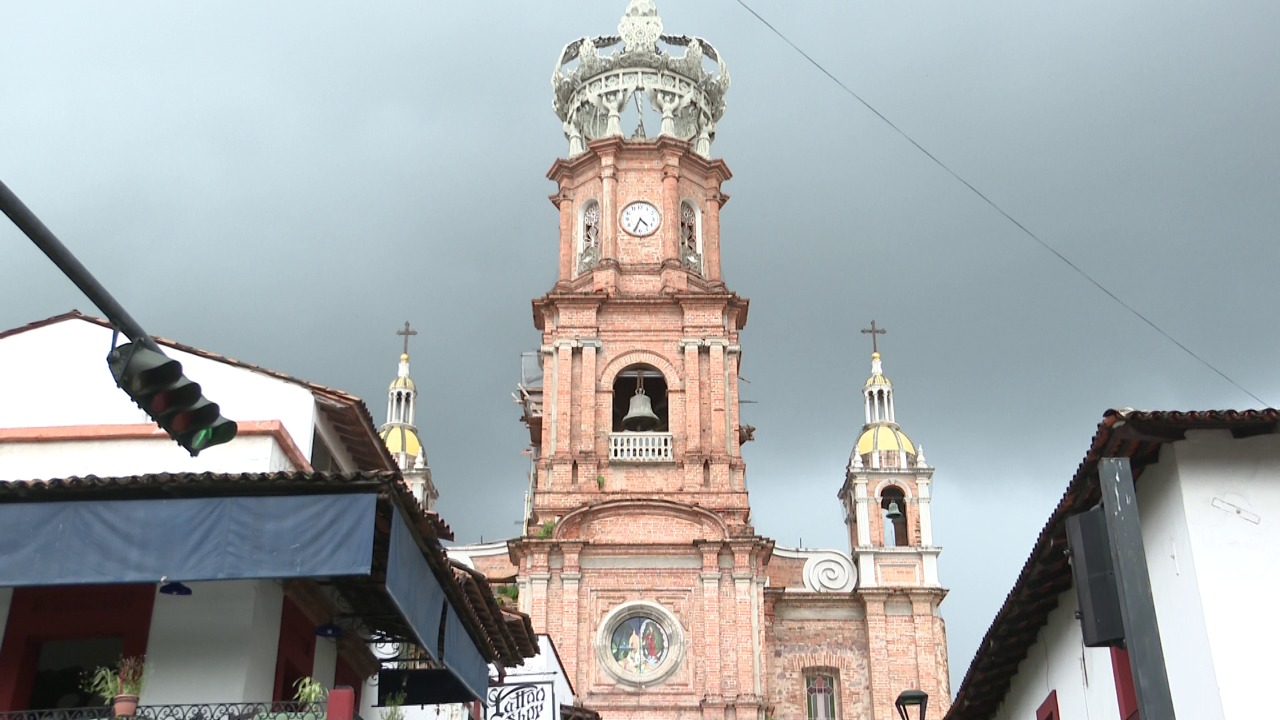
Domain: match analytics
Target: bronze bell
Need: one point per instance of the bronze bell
(894, 512)
(640, 415)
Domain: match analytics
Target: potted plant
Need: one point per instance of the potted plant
(119, 685)
(310, 693)
(394, 710)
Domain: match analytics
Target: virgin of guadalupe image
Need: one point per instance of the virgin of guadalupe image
(653, 643)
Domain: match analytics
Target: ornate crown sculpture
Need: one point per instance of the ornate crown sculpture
(592, 89)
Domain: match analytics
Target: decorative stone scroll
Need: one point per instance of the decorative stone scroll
(829, 571)
(591, 89)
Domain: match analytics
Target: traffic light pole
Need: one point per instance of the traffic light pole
(51, 246)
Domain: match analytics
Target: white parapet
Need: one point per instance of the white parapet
(640, 447)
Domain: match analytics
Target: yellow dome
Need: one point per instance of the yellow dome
(884, 437)
(401, 440)
(402, 382)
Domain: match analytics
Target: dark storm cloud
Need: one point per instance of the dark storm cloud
(326, 173)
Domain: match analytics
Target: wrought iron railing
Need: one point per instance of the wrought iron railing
(207, 711)
(640, 447)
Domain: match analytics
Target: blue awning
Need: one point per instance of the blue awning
(186, 539)
(420, 598)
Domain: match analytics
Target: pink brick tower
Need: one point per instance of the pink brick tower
(638, 556)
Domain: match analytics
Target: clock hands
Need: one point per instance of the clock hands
(641, 224)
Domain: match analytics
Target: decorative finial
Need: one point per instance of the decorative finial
(406, 332)
(640, 27)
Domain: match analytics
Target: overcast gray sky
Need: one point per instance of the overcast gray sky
(287, 183)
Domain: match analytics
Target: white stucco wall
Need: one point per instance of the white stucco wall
(1060, 661)
(216, 645)
(57, 375)
(1231, 502)
(324, 668)
(1175, 590)
(110, 458)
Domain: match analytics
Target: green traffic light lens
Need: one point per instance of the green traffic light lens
(202, 438)
(216, 434)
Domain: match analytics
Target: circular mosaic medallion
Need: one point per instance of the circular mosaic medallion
(640, 643)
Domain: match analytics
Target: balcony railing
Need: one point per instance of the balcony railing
(213, 711)
(640, 447)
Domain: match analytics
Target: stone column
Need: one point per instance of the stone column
(568, 234)
(878, 657)
(745, 659)
(926, 515)
(590, 400)
(538, 586)
(711, 236)
(564, 397)
(708, 663)
(671, 207)
(608, 206)
(571, 618)
(922, 617)
(732, 418)
(692, 396)
(862, 515)
(716, 392)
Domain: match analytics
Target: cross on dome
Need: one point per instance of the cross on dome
(406, 332)
(873, 331)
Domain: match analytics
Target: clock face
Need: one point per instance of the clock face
(640, 218)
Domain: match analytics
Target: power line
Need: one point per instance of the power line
(997, 208)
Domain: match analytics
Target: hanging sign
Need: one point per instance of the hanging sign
(532, 701)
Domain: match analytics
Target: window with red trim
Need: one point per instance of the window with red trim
(53, 633)
(1126, 697)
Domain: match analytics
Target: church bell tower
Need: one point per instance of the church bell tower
(638, 556)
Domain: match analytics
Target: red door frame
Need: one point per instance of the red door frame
(295, 651)
(40, 614)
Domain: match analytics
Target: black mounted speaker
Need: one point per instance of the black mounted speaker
(1095, 579)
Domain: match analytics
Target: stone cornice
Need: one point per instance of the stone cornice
(607, 149)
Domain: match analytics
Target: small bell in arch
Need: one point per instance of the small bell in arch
(894, 512)
(640, 416)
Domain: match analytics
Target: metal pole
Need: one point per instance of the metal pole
(1129, 560)
(51, 246)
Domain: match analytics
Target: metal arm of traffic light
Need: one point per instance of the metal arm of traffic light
(50, 245)
(152, 379)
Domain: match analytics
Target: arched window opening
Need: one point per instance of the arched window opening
(589, 237)
(706, 473)
(820, 694)
(893, 505)
(690, 237)
(573, 474)
(640, 400)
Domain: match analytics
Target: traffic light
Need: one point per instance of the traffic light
(156, 383)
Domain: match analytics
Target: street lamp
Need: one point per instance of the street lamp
(910, 698)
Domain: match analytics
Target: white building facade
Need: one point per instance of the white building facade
(291, 546)
(1206, 489)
